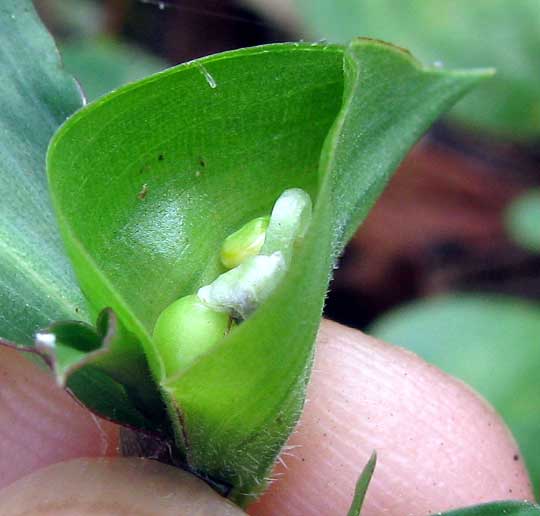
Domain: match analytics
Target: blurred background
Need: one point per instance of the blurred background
(448, 262)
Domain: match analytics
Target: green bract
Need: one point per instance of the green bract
(149, 181)
(213, 156)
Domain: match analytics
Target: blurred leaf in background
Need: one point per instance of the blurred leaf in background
(102, 65)
(458, 33)
(80, 18)
(99, 60)
(523, 220)
(490, 342)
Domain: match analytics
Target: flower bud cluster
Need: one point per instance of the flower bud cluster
(257, 256)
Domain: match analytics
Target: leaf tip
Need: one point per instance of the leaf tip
(362, 485)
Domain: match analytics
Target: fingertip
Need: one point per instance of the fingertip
(42, 424)
(118, 486)
(439, 445)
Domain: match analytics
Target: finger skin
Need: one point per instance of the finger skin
(112, 487)
(439, 445)
(40, 423)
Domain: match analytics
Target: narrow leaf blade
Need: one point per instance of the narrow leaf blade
(497, 509)
(362, 486)
(37, 285)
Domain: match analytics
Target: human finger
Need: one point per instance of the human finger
(113, 486)
(439, 445)
(41, 424)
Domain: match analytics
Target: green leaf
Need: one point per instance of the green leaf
(497, 509)
(460, 33)
(77, 18)
(37, 285)
(522, 220)
(149, 181)
(362, 486)
(102, 65)
(489, 342)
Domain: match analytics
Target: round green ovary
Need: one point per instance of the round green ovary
(185, 330)
(245, 242)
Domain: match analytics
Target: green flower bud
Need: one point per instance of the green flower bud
(245, 242)
(185, 330)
